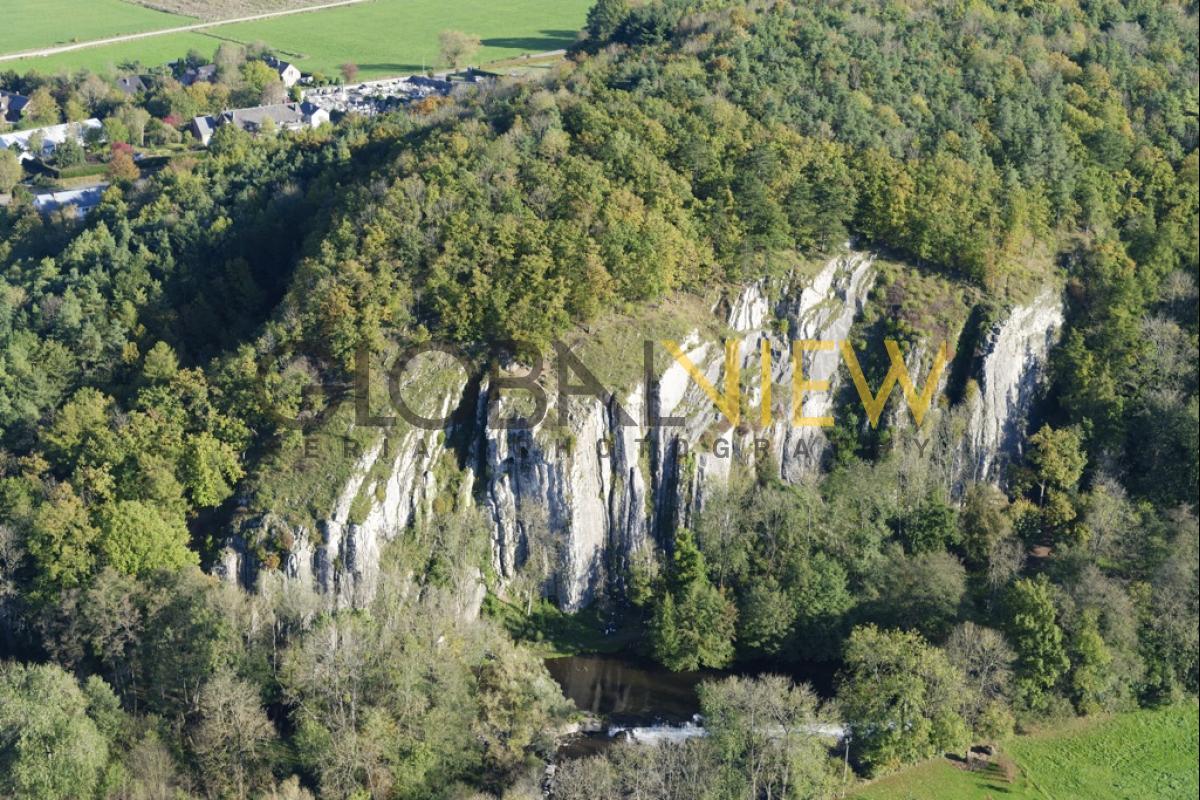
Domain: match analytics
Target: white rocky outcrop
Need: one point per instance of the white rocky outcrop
(390, 485)
(822, 309)
(578, 496)
(346, 559)
(1010, 375)
(571, 505)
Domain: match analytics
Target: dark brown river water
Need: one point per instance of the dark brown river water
(629, 692)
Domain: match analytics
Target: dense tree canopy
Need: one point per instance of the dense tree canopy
(151, 353)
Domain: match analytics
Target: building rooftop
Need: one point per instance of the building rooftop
(83, 199)
(11, 105)
(131, 84)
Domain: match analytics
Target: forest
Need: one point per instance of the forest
(150, 350)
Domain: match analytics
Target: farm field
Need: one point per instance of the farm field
(29, 24)
(150, 52)
(225, 9)
(384, 37)
(1125, 757)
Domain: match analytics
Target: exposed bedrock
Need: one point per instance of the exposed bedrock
(582, 500)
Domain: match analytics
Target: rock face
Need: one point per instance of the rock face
(1010, 375)
(821, 310)
(824, 313)
(392, 483)
(571, 506)
(565, 503)
(346, 560)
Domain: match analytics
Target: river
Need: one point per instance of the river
(643, 700)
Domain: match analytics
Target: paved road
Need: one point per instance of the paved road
(129, 37)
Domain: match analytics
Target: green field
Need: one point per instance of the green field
(150, 52)
(384, 37)
(30, 24)
(1144, 754)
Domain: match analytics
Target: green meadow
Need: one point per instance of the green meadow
(384, 37)
(1143, 754)
(149, 52)
(30, 24)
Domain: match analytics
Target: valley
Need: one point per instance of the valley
(745, 401)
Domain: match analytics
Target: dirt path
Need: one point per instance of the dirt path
(129, 37)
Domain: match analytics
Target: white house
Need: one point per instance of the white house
(52, 137)
(288, 73)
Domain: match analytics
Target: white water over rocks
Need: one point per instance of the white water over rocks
(674, 734)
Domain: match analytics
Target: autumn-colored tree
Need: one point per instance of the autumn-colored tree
(121, 166)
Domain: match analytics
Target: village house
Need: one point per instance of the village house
(204, 74)
(131, 85)
(283, 116)
(82, 200)
(11, 106)
(288, 73)
(51, 137)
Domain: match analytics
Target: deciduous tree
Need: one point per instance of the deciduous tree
(901, 697)
(457, 47)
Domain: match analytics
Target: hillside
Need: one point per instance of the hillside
(234, 564)
(30, 25)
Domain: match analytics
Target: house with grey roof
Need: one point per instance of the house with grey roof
(11, 106)
(84, 200)
(204, 74)
(203, 127)
(282, 116)
(131, 85)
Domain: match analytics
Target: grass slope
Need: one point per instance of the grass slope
(226, 9)
(30, 24)
(384, 37)
(1142, 754)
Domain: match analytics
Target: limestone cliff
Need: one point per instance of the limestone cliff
(571, 504)
(1010, 375)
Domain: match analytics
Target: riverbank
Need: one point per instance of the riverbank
(553, 633)
(1140, 754)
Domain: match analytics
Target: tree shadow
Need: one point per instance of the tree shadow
(394, 68)
(549, 40)
(992, 776)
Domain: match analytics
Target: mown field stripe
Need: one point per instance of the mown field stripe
(201, 27)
